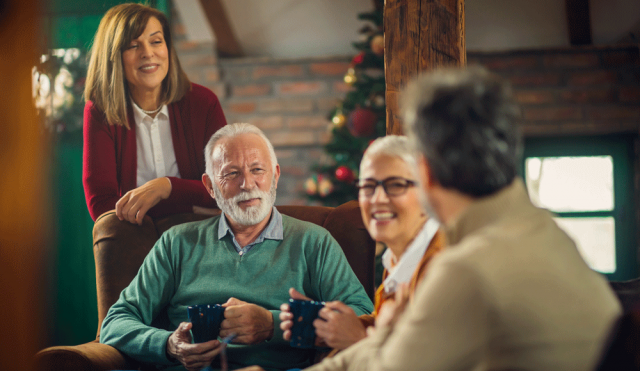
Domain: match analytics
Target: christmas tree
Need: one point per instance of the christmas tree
(357, 120)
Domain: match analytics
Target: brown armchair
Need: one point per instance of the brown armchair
(119, 249)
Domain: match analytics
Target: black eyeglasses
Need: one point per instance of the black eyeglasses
(393, 186)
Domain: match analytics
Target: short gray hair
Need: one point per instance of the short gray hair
(232, 131)
(392, 145)
(463, 121)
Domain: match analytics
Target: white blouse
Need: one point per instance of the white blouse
(403, 270)
(154, 144)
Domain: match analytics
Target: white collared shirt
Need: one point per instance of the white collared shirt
(403, 270)
(154, 144)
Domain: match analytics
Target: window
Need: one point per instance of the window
(588, 184)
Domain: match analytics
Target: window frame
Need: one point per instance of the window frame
(621, 150)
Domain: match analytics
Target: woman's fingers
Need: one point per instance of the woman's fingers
(120, 205)
(135, 204)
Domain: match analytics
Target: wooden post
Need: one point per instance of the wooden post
(24, 210)
(419, 35)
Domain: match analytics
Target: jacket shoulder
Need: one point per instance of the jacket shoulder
(199, 94)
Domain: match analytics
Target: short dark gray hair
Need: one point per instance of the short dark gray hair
(463, 121)
(232, 131)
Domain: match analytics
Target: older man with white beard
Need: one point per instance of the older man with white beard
(245, 259)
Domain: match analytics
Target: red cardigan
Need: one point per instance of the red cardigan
(109, 167)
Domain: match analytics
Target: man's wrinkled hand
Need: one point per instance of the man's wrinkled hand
(251, 323)
(194, 357)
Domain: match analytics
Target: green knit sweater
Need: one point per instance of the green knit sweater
(189, 265)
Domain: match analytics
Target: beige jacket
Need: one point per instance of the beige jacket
(511, 292)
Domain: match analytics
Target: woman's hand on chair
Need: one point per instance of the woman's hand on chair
(133, 206)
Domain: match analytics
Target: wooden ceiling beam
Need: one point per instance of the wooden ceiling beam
(579, 22)
(226, 42)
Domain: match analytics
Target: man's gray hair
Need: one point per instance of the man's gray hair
(463, 122)
(392, 145)
(232, 131)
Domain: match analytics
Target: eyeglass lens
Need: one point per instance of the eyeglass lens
(391, 186)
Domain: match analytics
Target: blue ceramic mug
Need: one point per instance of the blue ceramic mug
(205, 319)
(303, 334)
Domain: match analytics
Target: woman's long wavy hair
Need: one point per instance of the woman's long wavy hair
(106, 84)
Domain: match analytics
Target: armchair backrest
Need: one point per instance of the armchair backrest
(119, 248)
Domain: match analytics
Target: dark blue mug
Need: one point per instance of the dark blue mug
(303, 334)
(206, 320)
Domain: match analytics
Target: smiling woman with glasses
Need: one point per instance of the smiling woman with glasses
(393, 213)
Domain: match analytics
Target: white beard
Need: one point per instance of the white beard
(253, 214)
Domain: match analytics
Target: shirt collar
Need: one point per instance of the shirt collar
(139, 116)
(273, 230)
(403, 270)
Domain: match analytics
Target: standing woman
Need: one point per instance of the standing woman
(145, 124)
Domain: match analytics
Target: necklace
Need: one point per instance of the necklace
(150, 112)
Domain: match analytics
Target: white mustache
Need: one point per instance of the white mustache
(247, 195)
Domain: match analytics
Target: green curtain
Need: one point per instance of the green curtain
(76, 317)
(72, 24)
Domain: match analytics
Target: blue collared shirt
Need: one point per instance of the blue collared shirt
(273, 231)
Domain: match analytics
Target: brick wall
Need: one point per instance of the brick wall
(592, 90)
(289, 100)
(576, 91)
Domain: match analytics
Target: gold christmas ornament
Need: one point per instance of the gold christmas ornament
(377, 45)
(379, 101)
(325, 187)
(339, 119)
(311, 186)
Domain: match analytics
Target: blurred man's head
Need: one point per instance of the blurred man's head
(462, 122)
(242, 173)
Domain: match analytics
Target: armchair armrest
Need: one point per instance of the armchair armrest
(91, 356)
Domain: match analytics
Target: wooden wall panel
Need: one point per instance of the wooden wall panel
(419, 35)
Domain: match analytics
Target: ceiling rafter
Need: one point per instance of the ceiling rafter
(579, 22)
(226, 42)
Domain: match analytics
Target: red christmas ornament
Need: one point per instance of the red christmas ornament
(358, 59)
(362, 122)
(344, 174)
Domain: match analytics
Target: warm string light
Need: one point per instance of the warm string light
(350, 77)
